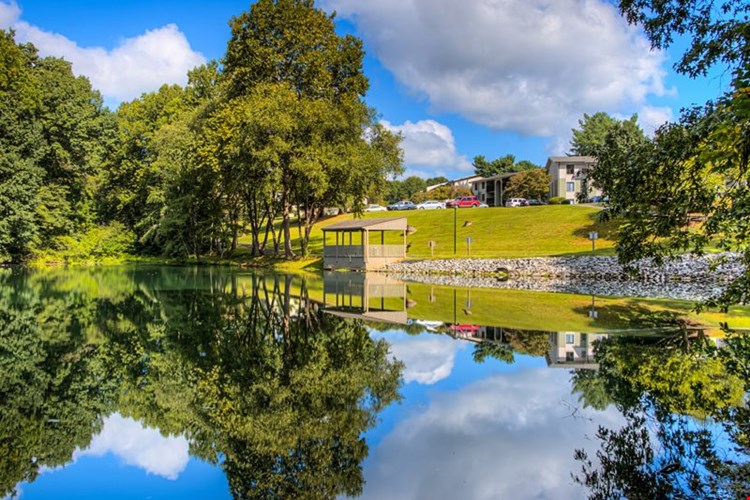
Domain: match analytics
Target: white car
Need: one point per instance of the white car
(516, 202)
(375, 208)
(431, 205)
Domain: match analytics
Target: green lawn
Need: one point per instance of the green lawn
(497, 232)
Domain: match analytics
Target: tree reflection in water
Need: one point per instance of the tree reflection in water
(252, 372)
(683, 399)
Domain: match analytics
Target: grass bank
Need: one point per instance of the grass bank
(543, 231)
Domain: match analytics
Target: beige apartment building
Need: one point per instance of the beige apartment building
(568, 174)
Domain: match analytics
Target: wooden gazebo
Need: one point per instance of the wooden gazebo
(359, 252)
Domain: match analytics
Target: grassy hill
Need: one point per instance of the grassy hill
(496, 232)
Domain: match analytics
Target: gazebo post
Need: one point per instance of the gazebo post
(365, 246)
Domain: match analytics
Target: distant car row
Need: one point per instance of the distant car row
(463, 202)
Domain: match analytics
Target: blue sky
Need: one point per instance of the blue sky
(457, 78)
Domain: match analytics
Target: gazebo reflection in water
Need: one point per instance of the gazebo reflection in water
(368, 296)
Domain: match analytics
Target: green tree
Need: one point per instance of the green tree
(487, 168)
(503, 165)
(488, 349)
(20, 135)
(529, 184)
(436, 180)
(308, 122)
(592, 133)
(413, 185)
(698, 165)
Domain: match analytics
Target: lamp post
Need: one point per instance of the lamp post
(455, 215)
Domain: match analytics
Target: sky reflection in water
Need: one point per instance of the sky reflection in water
(463, 429)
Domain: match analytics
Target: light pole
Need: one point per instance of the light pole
(455, 215)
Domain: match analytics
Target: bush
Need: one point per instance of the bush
(97, 243)
(556, 200)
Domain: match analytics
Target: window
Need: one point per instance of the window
(570, 169)
(570, 338)
(570, 187)
(570, 357)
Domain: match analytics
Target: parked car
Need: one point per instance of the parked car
(516, 202)
(534, 203)
(464, 202)
(484, 205)
(430, 205)
(402, 205)
(375, 208)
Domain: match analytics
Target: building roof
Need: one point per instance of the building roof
(497, 177)
(570, 159)
(385, 224)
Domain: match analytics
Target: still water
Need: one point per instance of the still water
(169, 382)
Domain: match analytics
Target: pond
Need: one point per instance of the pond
(177, 382)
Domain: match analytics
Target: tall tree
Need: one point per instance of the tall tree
(503, 165)
(306, 122)
(699, 165)
(592, 133)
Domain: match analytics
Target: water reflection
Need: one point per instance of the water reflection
(251, 372)
(287, 384)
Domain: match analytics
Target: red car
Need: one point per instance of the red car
(464, 202)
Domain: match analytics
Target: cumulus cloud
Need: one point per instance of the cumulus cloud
(9, 14)
(429, 148)
(650, 118)
(139, 64)
(529, 66)
(139, 446)
(511, 435)
(427, 359)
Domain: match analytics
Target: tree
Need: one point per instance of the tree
(413, 185)
(696, 166)
(54, 133)
(529, 184)
(436, 180)
(592, 133)
(288, 59)
(497, 166)
(502, 165)
(718, 30)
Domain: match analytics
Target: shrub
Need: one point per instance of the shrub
(98, 242)
(556, 200)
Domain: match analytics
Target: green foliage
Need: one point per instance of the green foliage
(717, 30)
(697, 167)
(98, 243)
(593, 130)
(502, 165)
(529, 184)
(661, 385)
(248, 368)
(556, 200)
(55, 132)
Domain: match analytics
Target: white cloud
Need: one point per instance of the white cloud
(511, 435)
(530, 66)
(139, 446)
(139, 64)
(650, 118)
(429, 148)
(9, 14)
(427, 358)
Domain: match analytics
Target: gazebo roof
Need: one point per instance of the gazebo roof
(386, 224)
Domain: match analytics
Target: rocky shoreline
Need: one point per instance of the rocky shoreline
(687, 277)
